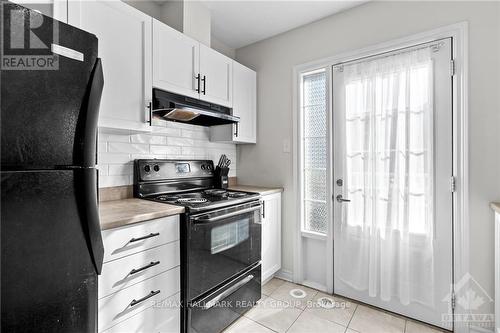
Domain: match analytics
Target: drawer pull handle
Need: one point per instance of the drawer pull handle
(151, 294)
(137, 270)
(144, 237)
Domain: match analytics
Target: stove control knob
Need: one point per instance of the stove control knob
(156, 168)
(147, 168)
(203, 167)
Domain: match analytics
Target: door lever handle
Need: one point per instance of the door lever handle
(340, 199)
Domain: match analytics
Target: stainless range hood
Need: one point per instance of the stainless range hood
(172, 107)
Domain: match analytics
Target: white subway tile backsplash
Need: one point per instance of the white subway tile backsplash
(146, 156)
(201, 135)
(165, 131)
(168, 150)
(119, 147)
(109, 158)
(146, 138)
(103, 170)
(167, 140)
(172, 141)
(194, 151)
(102, 147)
(120, 169)
(110, 181)
(104, 137)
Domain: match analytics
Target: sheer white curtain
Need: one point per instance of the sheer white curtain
(387, 228)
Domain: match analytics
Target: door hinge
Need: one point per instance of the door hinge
(453, 300)
(453, 185)
(452, 67)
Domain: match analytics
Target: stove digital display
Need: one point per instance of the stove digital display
(182, 168)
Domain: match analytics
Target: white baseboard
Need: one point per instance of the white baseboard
(476, 329)
(284, 275)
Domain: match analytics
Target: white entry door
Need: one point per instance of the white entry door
(393, 162)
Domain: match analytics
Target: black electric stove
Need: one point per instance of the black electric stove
(220, 236)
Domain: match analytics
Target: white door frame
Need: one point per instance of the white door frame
(461, 222)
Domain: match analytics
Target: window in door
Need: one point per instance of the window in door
(313, 164)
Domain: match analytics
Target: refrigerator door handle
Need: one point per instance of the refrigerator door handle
(88, 136)
(90, 218)
(86, 133)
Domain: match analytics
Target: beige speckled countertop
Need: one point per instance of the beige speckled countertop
(495, 206)
(256, 189)
(118, 213)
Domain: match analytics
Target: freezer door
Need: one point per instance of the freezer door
(50, 247)
(45, 113)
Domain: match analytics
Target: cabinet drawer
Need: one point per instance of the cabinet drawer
(119, 274)
(165, 319)
(124, 304)
(127, 240)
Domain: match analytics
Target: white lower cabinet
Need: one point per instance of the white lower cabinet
(140, 282)
(271, 235)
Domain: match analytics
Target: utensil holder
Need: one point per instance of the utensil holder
(221, 177)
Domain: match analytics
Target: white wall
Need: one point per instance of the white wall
(374, 22)
(197, 20)
(219, 46)
(150, 8)
(172, 14)
(170, 140)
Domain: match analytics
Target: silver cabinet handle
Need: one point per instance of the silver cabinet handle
(140, 300)
(341, 200)
(221, 217)
(153, 234)
(137, 270)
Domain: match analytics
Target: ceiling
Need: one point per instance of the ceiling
(238, 23)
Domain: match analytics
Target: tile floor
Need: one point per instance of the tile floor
(280, 312)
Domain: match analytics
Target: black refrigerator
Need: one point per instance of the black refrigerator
(51, 245)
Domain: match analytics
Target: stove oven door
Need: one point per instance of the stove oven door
(222, 244)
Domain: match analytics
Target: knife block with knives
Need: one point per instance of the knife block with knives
(221, 172)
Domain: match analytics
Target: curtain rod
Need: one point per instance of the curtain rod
(434, 44)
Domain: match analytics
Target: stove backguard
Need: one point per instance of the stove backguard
(154, 176)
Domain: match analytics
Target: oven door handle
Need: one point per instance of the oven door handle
(228, 292)
(221, 217)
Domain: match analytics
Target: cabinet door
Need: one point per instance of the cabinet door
(271, 235)
(244, 103)
(124, 35)
(56, 9)
(175, 61)
(244, 106)
(217, 77)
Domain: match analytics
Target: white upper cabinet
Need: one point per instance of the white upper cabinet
(216, 72)
(184, 66)
(244, 106)
(245, 103)
(175, 61)
(125, 36)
